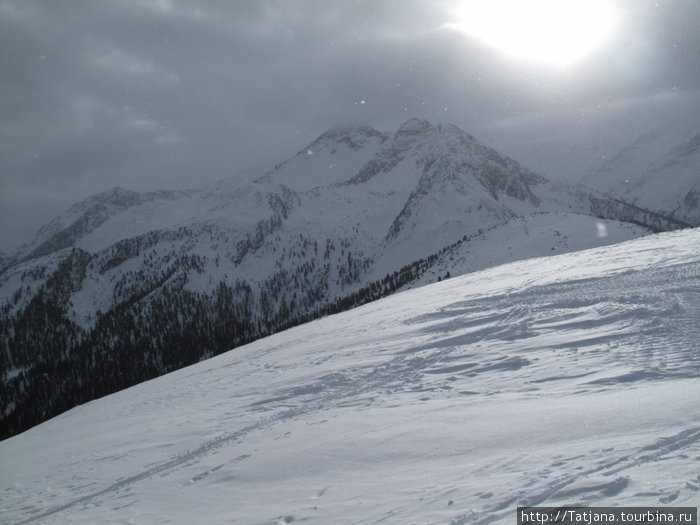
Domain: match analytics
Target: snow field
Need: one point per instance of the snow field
(559, 380)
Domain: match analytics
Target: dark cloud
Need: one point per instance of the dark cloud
(162, 93)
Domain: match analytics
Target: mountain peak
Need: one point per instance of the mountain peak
(342, 130)
(354, 136)
(414, 126)
(417, 130)
(117, 195)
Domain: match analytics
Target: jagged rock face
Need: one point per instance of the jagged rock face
(460, 185)
(125, 286)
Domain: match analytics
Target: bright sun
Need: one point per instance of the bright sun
(553, 32)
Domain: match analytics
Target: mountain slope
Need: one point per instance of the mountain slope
(567, 380)
(127, 286)
(537, 235)
(663, 180)
(85, 217)
(614, 173)
(672, 183)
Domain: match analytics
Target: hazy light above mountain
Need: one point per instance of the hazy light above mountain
(550, 32)
(152, 95)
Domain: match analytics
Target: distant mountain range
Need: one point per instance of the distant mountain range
(126, 286)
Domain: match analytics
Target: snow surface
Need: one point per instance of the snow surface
(570, 379)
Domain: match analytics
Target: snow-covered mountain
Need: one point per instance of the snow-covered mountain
(126, 286)
(523, 238)
(654, 174)
(617, 171)
(566, 380)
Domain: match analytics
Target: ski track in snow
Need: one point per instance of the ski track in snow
(425, 407)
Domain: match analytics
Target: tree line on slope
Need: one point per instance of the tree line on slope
(51, 364)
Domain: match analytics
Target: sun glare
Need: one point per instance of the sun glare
(553, 32)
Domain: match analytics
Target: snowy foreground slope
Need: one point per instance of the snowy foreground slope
(564, 380)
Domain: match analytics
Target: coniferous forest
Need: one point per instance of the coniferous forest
(53, 364)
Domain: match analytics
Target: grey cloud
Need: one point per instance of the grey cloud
(161, 93)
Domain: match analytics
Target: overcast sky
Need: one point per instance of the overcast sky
(168, 94)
